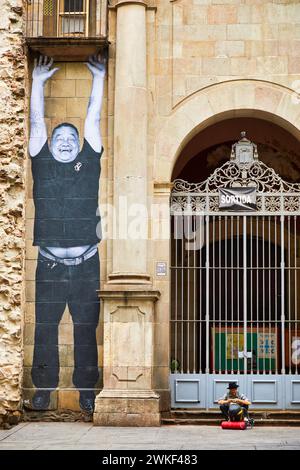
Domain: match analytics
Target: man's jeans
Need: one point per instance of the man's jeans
(225, 410)
(58, 285)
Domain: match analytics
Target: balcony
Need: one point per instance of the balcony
(66, 29)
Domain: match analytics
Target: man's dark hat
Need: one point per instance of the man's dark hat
(232, 385)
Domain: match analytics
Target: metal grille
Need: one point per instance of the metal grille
(73, 17)
(235, 276)
(48, 8)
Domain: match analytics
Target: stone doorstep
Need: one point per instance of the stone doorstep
(215, 414)
(214, 417)
(217, 422)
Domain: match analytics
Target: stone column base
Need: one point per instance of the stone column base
(133, 408)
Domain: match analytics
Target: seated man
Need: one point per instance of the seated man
(232, 396)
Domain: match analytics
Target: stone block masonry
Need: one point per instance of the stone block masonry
(213, 41)
(12, 197)
(193, 60)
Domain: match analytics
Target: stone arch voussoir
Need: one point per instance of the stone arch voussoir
(247, 98)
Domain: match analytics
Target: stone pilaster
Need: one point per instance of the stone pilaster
(130, 143)
(127, 398)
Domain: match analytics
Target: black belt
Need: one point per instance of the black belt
(69, 261)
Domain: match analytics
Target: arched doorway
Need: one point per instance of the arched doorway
(234, 275)
(211, 147)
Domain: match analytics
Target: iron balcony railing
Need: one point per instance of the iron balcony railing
(66, 18)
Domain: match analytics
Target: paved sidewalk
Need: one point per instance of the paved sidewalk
(76, 436)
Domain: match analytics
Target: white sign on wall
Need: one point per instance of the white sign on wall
(161, 268)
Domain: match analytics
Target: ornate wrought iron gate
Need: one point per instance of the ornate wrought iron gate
(235, 279)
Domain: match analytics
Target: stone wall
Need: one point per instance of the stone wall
(206, 50)
(12, 158)
(203, 42)
(204, 57)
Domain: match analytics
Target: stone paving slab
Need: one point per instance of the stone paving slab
(85, 436)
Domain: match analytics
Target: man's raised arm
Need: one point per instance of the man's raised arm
(97, 66)
(38, 132)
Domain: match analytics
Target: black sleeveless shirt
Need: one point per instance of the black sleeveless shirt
(66, 198)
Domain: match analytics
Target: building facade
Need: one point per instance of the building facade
(184, 78)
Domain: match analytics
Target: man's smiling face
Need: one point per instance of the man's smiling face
(64, 144)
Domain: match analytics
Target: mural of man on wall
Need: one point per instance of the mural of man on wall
(67, 231)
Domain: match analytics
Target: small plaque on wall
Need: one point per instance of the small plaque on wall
(161, 268)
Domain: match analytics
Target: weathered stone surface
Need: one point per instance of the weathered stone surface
(57, 415)
(127, 412)
(12, 158)
(9, 419)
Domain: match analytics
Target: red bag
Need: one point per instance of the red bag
(233, 425)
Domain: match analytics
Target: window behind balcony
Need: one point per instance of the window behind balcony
(73, 17)
(69, 18)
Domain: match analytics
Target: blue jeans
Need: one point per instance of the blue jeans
(58, 285)
(225, 410)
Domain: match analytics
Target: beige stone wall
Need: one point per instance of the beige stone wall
(12, 158)
(205, 52)
(203, 42)
(206, 59)
(66, 100)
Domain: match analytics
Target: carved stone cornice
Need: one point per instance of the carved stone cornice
(127, 295)
(148, 4)
(120, 3)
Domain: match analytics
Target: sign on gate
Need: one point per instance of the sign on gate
(228, 349)
(237, 199)
(267, 345)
